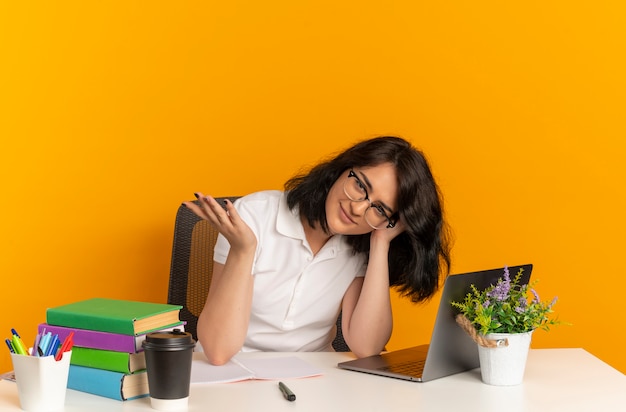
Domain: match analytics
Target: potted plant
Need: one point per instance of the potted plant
(501, 319)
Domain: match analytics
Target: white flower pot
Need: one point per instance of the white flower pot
(504, 365)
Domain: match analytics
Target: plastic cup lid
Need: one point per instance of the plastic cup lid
(175, 338)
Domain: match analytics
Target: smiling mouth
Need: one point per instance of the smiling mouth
(346, 215)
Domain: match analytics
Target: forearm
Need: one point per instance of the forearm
(371, 322)
(223, 323)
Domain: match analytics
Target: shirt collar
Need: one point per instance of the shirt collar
(288, 221)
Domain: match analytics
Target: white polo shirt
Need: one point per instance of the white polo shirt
(297, 296)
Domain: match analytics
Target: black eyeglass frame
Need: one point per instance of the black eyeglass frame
(391, 223)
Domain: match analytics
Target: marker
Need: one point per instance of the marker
(290, 396)
(18, 346)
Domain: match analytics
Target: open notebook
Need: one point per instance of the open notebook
(239, 369)
(450, 350)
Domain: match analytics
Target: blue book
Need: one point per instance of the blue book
(110, 384)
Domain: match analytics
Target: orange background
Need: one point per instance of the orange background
(113, 113)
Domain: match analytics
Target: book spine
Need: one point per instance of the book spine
(97, 382)
(95, 339)
(109, 360)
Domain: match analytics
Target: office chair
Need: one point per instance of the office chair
(192, 265)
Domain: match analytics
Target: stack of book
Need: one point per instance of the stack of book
(107, 358)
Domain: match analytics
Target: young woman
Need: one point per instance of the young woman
(286, 263)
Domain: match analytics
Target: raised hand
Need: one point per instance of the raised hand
(226, 220)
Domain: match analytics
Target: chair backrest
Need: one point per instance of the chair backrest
(192, 266)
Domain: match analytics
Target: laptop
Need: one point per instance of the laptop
(450, 350)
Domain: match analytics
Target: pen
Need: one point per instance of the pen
(10, 345)
(290, 396)
(52, 347)
(68, 342)
(45, 342)
(36, 350)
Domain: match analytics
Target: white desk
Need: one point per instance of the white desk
(555, 380)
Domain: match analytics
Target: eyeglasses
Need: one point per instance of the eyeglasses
(375, 215)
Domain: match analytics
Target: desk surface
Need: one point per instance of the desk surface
(555, 380)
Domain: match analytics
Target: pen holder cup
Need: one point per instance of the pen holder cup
(41, 381)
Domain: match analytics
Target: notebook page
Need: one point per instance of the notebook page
(203, 372)
(244, 369)
(280, 368)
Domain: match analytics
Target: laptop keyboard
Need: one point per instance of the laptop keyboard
(411, 368)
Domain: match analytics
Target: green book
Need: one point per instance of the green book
(116, 316)
(108, 359)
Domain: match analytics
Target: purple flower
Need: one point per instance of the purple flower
(501, 291)
(536, 299)
(486, 304)
(522, 302)
(519, 309)
(553, 302)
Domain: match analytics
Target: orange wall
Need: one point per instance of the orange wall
(113, 113)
